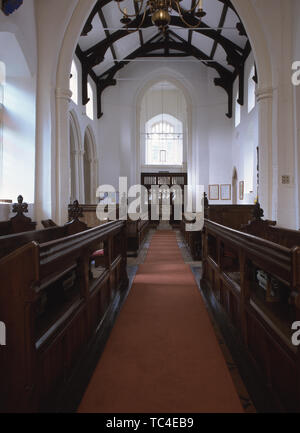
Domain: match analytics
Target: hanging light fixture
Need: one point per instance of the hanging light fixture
(160, 11)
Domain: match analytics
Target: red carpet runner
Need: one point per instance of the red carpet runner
(162, 354)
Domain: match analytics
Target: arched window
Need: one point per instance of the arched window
(251, 90)
(90, 104)
(2, 83)
(74, 82)
(237, 111)
(164, 141)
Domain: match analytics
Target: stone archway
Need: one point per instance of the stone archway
(265, 98)
(165, 75)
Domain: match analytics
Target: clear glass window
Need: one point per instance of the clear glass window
(74, 82)
(164, 142)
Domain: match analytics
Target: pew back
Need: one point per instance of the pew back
(263, 229)
(12, 242)
(136, 230)
(52, 308)
(19, 223)
(233, 216)
(257, 282)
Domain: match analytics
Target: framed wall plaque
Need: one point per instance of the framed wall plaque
(241, 189)
(225, 192)
(213, 192)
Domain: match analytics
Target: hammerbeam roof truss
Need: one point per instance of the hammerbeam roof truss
(105, 46)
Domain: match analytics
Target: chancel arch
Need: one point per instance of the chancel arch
(263, 63)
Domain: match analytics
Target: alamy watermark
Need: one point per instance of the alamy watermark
(2, 334)
(296, 335)
(156, 203)
(296, 74)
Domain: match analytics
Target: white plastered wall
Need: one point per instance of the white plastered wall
(270, 36)
(18, 51)
(245, 142)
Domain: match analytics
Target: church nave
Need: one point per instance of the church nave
(149, 206)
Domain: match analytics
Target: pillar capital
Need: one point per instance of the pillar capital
(266, 93)
(63, 94)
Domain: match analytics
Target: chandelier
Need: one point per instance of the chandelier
(160, 11)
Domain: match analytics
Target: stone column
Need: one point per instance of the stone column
(81, 176)
(63, 97)
(265, 140)
(76, 156)
(95, 165)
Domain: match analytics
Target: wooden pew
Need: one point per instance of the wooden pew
(270, 231)
(136, 233)
(136, 230)
(19, 223)
(234, 216)
(53, 301)
(230, 215)
(257, 283)
(192, 239)
(48, 223)
(11, 242)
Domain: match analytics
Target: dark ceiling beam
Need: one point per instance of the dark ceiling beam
(229, 4)
(233, 51)
(136, 9)
(236, 55)
(225, 79)
(96, 53)
(221, 24)
(88, 25)
(85, 72)
(255, 76)
(200, 55)
(240, 73)
(193, 4)
(101, 47)
(107, 34)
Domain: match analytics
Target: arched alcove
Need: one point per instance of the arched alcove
(87, 170)
(183, 114)
(162, 122)
(90, 167)
(75, 146)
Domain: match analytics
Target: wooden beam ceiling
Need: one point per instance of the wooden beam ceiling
(236, 55)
